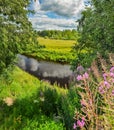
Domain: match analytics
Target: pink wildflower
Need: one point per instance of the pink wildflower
(112, 69)
(79, 77)
(107, 84)
(105, 76)
(112, 74)
(74, 126)
(83, 118)
(80, 69)
(100, 88)
(81, 123)
(85, 75)
(112, 92)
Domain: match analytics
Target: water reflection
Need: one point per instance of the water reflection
(50, 71)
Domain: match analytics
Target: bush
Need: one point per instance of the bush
(69, 102)
(49, 101)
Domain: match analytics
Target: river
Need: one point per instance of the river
(51, 71)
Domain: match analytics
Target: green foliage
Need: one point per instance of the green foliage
(96, 28)
(15, 30)
(52, 50)
(69, 103)
(51, 125)
(57, 34)
(84, 59)
(50, 101)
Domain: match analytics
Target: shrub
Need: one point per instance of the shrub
(49, 101)
(69, 102)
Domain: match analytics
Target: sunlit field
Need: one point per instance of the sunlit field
(56, 44)
(55, 50)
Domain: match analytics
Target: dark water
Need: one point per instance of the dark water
(53, 72)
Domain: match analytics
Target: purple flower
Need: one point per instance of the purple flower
(107, 84)
(112, 74)
(80, 69)
(85, 75)
(79, 77)
(112, 69)
(74, 126)
(105, 75)
(112, 92)
(100, 88)
(81, 123)
(83, 118)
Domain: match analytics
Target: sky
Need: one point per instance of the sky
(55, 14)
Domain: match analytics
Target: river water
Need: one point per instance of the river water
(53, 72)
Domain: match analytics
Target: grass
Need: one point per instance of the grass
(20, 103)
(55, 50)
(56, 44)
(21, 85)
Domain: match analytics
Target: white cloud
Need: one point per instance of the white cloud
(63, 7)
(46, 23)
(68, 10)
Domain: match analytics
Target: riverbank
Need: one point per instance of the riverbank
(52, 50)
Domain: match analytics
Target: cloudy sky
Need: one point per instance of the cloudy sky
(55, 14)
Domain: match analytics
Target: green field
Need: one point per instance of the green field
(56, 44)
(54, 50)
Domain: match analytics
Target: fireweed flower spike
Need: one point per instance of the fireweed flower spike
(83, 77)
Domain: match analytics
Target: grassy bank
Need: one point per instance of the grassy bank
(27, 103)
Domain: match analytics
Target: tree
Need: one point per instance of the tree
(96, 28)
(15, 30)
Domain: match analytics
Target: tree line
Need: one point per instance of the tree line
(58, 34)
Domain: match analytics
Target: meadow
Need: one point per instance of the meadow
(53, 50)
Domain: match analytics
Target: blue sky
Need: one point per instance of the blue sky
(55, 14)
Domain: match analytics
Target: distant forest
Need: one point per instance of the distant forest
(58, 34)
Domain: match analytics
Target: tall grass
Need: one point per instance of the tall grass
(27, 103)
